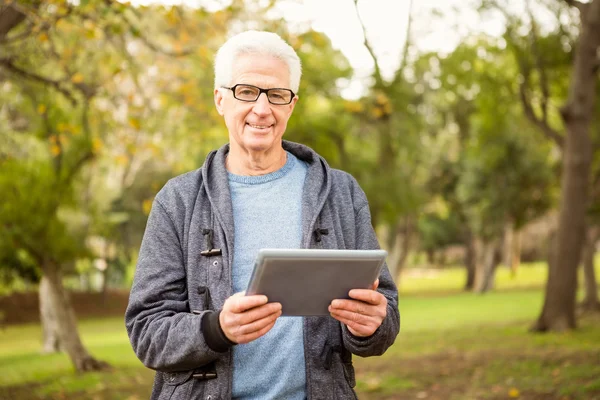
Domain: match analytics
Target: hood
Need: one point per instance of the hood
(316, 187)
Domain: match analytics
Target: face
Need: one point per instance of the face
(256, 127)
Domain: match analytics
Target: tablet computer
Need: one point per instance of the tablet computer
(305, 281)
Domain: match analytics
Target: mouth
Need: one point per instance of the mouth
(260, 127)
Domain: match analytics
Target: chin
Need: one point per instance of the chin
(261, 143)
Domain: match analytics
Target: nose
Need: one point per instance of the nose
(262, 105)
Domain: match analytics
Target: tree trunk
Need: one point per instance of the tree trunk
(397, 238)
(511, 256)
(590, 301)
(516, 254)
(470, 261)
(48, 319)
(508, 243)
(399, 245)
(558, 313)
(489, 260)
(66, 326)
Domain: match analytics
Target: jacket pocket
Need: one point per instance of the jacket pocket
(176, 385)
(200, 301)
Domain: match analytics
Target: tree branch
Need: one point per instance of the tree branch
(539, 65)
(378, 77)
(87, 156)
(56, 84)
(525, 69)
(407, 41)
(10, 17)
(531, 116)
(151, 45)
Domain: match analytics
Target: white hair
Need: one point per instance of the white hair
(255, 42)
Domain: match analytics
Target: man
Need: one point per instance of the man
(188, 317)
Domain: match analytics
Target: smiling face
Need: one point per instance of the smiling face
(256, 128)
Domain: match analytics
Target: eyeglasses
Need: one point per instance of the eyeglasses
(277, 96)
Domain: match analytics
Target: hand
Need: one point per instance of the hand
(362, 315)
(246, 318)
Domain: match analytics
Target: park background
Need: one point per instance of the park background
(472, 126)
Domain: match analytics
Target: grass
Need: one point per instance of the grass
(425, 281)
(453, 346)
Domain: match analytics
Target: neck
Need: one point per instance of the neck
(241, 162)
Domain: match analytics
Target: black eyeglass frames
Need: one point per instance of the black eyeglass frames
(277, 96)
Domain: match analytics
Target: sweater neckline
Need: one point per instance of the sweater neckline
(258, 179)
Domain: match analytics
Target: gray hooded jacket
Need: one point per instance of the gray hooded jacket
(180, 285)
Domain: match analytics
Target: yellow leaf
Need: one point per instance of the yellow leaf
(41, 108)
(353, 106)
(88, 24)
(203, 51)
(77, 78)
(513, 393)
(147, 206)
(96, 145)
(55, 150)
(184, 37)
(43, 37)
(154, 149)
(377, 112)
(121, 159)
(381, 99)
(387, 109)
(134, 123)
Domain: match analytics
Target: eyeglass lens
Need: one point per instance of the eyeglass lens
(251, 93)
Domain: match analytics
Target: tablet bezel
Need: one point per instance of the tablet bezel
(316, 260)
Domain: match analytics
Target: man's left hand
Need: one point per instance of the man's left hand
(364, 313)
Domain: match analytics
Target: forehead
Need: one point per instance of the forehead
(260, 70)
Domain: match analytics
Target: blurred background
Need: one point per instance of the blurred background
(473, 126)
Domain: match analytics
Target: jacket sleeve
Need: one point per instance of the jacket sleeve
(163, 333)
(384, 336)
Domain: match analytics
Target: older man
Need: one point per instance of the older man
(188, 317)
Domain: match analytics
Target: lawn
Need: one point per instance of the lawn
(453, 345)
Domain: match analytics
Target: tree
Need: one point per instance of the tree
(64, 68)
(558, 312)
(537, 89)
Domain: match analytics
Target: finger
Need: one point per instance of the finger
(258, 325)
(257, 313)
(358, 307)
(239, 303)
(232, 321)
(255, 335)
(349, 316)
(368, 296)
(356, 328)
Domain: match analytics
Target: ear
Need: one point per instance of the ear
(219, 99)
(292, 105)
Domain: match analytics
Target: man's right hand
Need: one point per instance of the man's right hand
(246, 318)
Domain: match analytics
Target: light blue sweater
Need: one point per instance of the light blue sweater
(267, 214)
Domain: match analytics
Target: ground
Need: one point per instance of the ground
(453, 346)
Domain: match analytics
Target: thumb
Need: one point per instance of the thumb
(376, 284)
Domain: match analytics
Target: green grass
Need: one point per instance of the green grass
(452, 346)
(426, 280)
